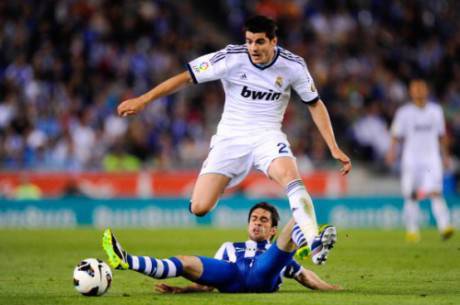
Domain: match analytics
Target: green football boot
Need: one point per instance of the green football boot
(118, 258)
(302, 253)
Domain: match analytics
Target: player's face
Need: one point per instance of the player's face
(260, 225)
(260, 47)
(418, 91)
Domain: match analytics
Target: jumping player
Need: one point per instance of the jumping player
(257, 78)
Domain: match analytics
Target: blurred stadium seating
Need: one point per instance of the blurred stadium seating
(65, 65)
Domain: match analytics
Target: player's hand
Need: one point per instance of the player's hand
(447, 162)
(339, 155)
(131, 106)
(336, 287)
(390, 157)
(165, 288)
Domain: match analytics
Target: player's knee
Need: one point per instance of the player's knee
(198, 210)
(185, 260)
(282, 172)
(288, 174)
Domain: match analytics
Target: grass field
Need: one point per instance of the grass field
(375, 267)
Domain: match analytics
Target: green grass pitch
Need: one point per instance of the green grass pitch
(375, 267)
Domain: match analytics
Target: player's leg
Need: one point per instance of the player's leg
(288, 240)
(273, 156)
(202, 270)
(228, 162)
(411, 215)
(411, 208)
(292, 237)
(284, 171)
(207, 191)
(432, 185)
(118, 258)
(441, 215)
(265, 274)
(223, 275)
(271, 262)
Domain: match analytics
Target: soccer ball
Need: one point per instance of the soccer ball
(92, 277)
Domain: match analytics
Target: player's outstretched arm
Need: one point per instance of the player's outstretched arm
(323, 122)
(169, 86)
(165, 288)
(311, 280)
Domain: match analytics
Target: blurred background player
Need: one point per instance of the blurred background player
(252, 266)
(257, 79)
(419, 126)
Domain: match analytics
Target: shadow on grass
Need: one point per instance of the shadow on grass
(377, 292)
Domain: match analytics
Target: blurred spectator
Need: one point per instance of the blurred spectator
(72, 190)
(371, 133)
(119, 160)
(26, 190)
(65, 65)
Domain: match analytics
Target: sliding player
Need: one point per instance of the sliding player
(252, 266)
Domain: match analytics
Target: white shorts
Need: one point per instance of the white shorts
(421, 178)
(234, 156)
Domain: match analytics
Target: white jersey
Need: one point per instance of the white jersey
(420, 129)
(256, 97)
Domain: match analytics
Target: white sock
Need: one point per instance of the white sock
(411, 213)
(440, 212)
(302, 209)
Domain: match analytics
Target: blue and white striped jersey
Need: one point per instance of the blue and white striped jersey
(246, 252)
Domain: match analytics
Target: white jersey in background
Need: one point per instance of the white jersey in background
(256, 97)
(420, 129)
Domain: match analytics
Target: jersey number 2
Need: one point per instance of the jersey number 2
(282, 148)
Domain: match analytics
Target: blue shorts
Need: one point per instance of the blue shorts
(259, 274)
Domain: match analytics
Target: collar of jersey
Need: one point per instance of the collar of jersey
(263, 242)
(267, 66)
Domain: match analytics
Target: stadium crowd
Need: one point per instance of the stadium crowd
(65, 65)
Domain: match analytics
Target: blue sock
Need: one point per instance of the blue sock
(157, 268)
(298, 237)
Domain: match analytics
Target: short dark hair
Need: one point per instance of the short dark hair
(275, 216)
(261, 24)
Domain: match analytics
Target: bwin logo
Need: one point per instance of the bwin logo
(260, 95)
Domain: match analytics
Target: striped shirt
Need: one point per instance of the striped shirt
(248, 251)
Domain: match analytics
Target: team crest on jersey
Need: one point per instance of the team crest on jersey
(279, 81)
(201, 67)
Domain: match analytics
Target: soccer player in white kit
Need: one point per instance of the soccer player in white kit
(420, 128)
(257, 78)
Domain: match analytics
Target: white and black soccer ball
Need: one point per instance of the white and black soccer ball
(92, 277)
